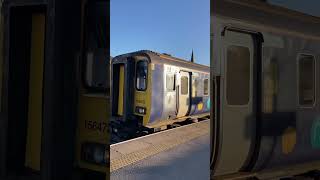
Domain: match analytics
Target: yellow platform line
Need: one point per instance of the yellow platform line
(133, 157)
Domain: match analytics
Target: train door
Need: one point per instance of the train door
(33, 147)
(26, 69)
(183, 98)
(122, 90)
(237, 122)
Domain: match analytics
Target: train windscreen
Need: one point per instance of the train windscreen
(97, 69)
(97, 25)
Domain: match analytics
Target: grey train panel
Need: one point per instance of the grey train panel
(287, 131)
(170, 111)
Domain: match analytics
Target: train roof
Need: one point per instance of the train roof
(267, 15)
(160, 58)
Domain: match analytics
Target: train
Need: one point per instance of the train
(153, 91)
(265, 88)
(55, 84)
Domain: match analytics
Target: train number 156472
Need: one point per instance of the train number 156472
(95, 126)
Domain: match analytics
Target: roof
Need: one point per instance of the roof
(259, 12)
(168, 59)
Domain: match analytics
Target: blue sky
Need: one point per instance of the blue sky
(166, 26)
(306, 6)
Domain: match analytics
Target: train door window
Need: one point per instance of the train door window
(97, 70)
(238, 75)
(170, 82)
(141, 75)
(206, 87)
(184, 85)
(306, 80)
(195, 86)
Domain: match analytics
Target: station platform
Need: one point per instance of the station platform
(179, 153)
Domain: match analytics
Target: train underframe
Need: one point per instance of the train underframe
(126, 130)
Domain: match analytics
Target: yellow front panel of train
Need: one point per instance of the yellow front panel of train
(93, 125)
(33, 147)
(143, 98)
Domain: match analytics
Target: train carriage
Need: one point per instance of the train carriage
(54, 89)
(152, 90)
(265, 69)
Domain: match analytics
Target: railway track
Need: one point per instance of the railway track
(116, 138)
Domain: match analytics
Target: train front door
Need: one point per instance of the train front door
(183, 98)
(33, 146)
(238, 118)
(39, 89)
(26, 52)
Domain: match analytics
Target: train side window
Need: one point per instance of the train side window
(184, 85)
(206, 87)
(170, 82)
(141, 75)
(238, 75)
(306, 80)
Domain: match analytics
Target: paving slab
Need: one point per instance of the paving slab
(179, 153)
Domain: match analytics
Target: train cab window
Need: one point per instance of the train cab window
(141, 75)
(96, 25)
(238, 75)
(96, 58)
(184, 85)
(170, 82)
(206, 87)
(306, 80)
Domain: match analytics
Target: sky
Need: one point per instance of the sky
(307, 6)
(174, 27)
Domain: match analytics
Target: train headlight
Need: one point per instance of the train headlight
(95, 153)
(141, 110)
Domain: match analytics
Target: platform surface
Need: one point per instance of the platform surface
(181, 153)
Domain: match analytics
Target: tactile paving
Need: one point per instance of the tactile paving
(154, 144)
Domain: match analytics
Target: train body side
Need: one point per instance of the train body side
(283, 131)
(164, 100)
